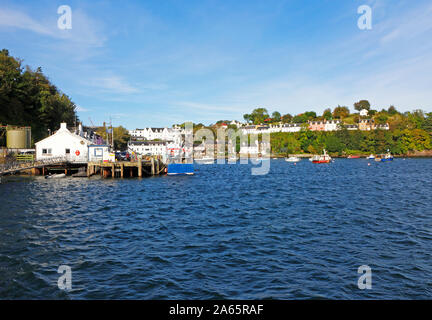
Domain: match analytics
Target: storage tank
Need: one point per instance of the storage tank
(18, 138)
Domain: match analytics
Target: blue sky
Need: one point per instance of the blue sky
(155, 63)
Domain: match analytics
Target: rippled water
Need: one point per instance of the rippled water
(299, 232)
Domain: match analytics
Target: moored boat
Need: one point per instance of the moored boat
(324, 158)
(371, 157)
(180, 168)
(205, 160)
(384, 157)
(353, 157)
(55, 176)
(292, 159)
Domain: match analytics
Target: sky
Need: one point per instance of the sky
(157, 63)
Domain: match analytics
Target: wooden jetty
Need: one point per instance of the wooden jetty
(149, 166)
(121, 169)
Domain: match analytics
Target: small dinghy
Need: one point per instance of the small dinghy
(55, 176)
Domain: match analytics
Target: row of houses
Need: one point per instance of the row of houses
(330, 125)
(174, 135)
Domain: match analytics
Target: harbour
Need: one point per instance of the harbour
(295, 233)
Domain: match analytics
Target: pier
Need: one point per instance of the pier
(150, 166)
(122, 169)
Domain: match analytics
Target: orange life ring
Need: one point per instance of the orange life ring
(77, 152)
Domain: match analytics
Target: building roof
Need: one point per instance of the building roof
(64, 130)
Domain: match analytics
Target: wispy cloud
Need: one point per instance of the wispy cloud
(81, 109)
(113, 84)
(16, 19)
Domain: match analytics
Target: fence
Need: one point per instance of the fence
(25, 157)
(16, 165)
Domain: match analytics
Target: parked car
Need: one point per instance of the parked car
(122, 156)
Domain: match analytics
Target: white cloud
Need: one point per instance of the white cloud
(113, 84)
(85, 33)
(81, 109)
(17, 19)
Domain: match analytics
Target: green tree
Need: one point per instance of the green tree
(287, 118)
(28, 98)
(341, 112)
(327, 114)
(362, 104)
(276, 116)
(258, 115)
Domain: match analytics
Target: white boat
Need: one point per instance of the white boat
(324, 158)
(293, 159)
(55, 176)
(371, 157)
(205, 160)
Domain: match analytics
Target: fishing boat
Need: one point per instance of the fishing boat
(324, 158)
(55, 176)
(384, 157)
(371, 157)
(292, 159)
(179, 164)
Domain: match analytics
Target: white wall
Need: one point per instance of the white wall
(60, 141)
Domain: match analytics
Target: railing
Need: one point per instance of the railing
(12, 166)
(25, 157)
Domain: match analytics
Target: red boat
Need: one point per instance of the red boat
(353, 157)
(324, 158)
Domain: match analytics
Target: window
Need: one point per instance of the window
(98, 152)
(67, 151)
(46, 151)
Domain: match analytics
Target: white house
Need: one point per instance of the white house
(364, 112)
(174, 135)
(291, 127)
(331, 125)
(149, 147)
(63, 143)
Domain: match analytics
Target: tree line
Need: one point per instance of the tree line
(28, 98)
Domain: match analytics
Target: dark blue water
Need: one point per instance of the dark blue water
(299, 232)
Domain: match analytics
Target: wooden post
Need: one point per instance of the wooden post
(157, 166)
(121, 170)
(139, 167)
(43, 170)
(152, 166)
(113, 170)
(131, 172)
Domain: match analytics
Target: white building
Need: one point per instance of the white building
(63, 143)
(254, 148)
(332, 125)
(174, 135)
(291, 127)
(100, 153)
(147, 148)
(364, 112)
